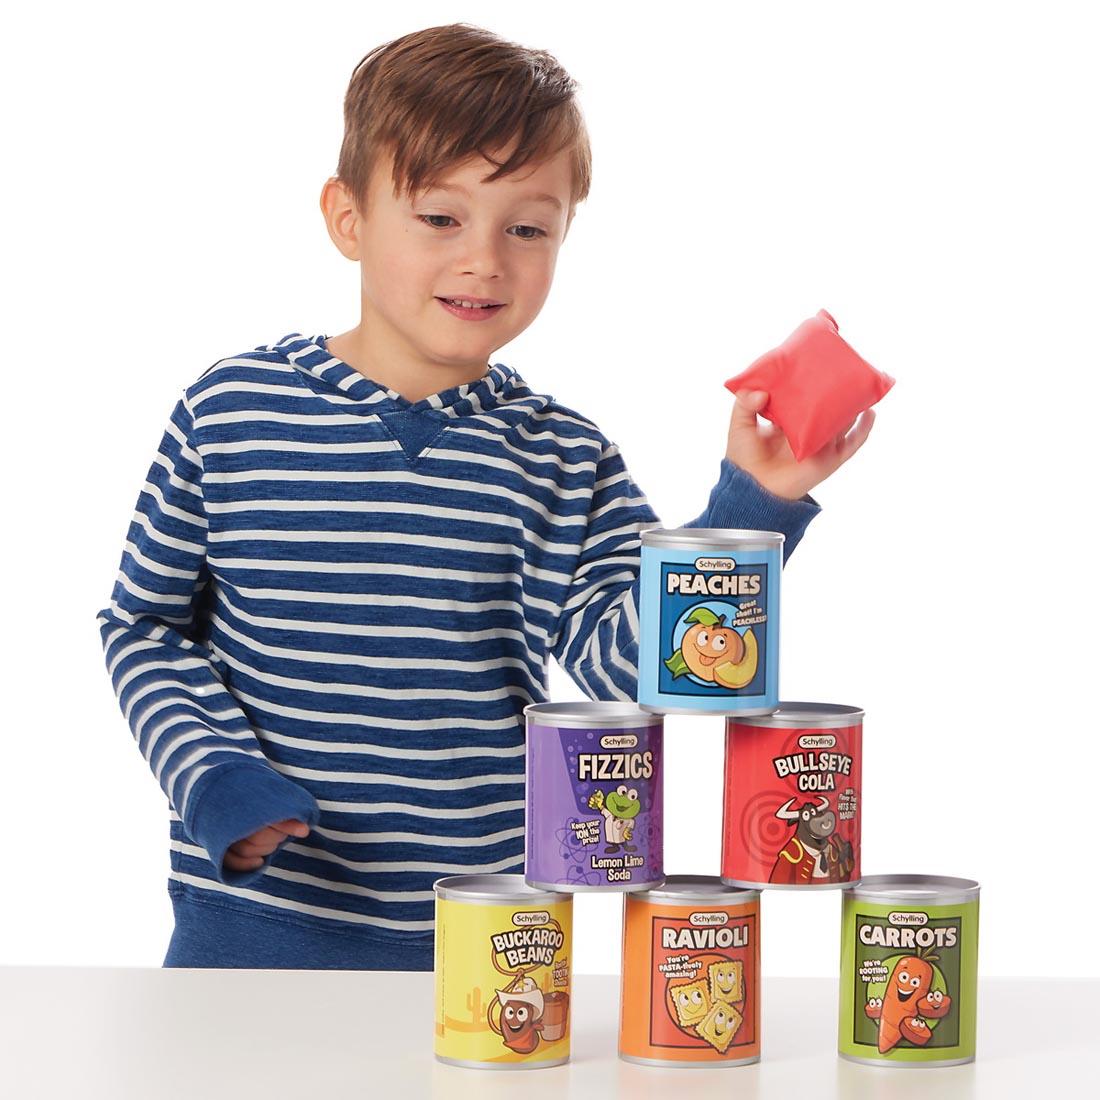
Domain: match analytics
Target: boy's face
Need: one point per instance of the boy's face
(463, 239)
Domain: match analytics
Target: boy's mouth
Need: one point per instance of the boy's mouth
(471, 309)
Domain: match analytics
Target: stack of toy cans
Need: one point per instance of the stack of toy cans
(709, 644)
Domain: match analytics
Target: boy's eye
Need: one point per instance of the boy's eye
(426, 218)
(532, 232)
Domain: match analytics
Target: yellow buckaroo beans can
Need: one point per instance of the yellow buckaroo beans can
(502, 970)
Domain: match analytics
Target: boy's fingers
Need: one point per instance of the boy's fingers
(745, 408)
(248, 848)
(858, 435)
(843, 434)
(241, 863)
(264, 841)
(274, 835)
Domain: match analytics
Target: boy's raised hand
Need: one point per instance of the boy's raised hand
(761, 449)
(250, 853)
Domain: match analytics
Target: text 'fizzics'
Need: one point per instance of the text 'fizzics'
(717, 584)
(614, 765)
(528, 946)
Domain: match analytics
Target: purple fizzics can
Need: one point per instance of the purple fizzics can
(595, 804)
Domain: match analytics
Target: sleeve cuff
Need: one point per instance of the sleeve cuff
(739, 500)
(232, 801)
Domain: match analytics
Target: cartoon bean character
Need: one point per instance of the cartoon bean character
(619, 809)
(521, 1011)
(909, 1002)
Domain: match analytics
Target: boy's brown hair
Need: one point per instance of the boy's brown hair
(435, 97)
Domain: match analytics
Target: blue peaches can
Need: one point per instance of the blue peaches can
(709, 629)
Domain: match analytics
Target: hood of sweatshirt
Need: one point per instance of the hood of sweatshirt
(500, 396)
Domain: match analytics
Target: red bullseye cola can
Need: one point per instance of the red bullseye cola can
(793, 798)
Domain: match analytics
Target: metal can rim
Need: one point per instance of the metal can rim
(708, 1063)
(590, 715)
(485, 889)
(939, 1063)
(717, 712)
(805, 716)
(545, 1063)
(711, 890)
(599, 888)
(914, 890)
(747, 884)
(707, 538)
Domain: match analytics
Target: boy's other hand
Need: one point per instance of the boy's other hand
(761, 449)
(249, 853)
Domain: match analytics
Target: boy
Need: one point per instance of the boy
(353, 556)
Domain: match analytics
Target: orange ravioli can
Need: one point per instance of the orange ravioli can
(502, 973)
(691, 974)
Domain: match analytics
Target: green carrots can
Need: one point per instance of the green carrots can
(909, 971)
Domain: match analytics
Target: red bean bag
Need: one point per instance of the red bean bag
(816, 385)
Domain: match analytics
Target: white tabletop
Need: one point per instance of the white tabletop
(160, 1034)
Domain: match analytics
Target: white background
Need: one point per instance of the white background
(926, 172)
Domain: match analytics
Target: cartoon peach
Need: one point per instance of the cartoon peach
(705, 646)
(736, 674)
(714, 652)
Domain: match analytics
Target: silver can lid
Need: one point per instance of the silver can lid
(587, 715)
(915, 890)
(708, 539)
(498, 889)
(796, 716)
(695, 890)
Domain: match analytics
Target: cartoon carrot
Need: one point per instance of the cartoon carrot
(909, 1002)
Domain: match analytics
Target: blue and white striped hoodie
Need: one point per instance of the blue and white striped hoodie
(333, 604)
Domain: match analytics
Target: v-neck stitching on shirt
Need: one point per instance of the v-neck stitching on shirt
(310, 356)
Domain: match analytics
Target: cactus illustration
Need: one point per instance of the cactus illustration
(474, 1005)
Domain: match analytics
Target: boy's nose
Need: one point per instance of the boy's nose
(482, 256)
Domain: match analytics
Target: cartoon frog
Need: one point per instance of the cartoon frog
(619, 808)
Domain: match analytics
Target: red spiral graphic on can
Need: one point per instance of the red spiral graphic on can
(760, 832)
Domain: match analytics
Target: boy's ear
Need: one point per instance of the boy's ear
(341, 216)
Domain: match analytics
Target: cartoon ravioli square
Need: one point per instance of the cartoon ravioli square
(691, 1001)
(720, 1026)
(726, 981)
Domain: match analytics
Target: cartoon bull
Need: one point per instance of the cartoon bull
(814, 856)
